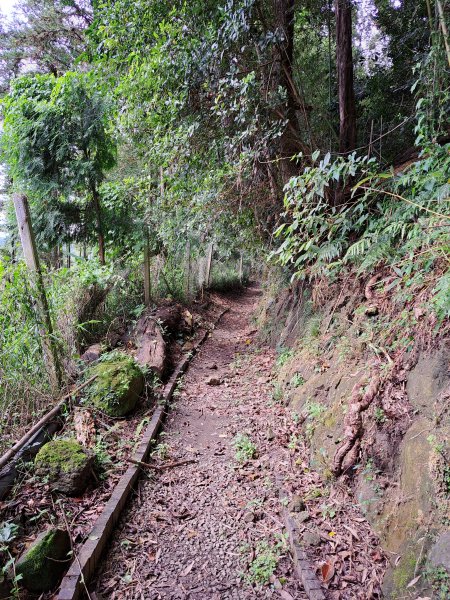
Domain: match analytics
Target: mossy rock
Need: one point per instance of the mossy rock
(118, 385)
(42, 565)
(66, 464)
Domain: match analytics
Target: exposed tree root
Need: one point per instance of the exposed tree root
(362, 395)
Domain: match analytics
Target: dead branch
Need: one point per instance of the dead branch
(146, 465)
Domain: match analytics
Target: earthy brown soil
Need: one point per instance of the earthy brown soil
(195, 531)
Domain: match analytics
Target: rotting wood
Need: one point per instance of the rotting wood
(81, 571)
(149, 337)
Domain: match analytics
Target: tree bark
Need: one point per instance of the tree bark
(290, 140)
(28, 242)
(98, 215)
(344, 65)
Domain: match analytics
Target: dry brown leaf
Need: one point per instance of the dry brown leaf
(286, 595)
(413, 582)
(327, 570)
(187, 570)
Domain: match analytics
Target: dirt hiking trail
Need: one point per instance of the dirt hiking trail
(211, 529)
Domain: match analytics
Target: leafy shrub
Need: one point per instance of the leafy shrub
(245, 448)
(399, 219)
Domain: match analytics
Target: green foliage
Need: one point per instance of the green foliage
(380, 416)
(49, 35)
(297, 380)
(439, 579)
(8, 533)
(395, 219)
(56, 133)
(284, 355)
(278, 393)
(245, 448)
(265, 562)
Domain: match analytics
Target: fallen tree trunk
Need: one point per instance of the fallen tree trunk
(151, 333)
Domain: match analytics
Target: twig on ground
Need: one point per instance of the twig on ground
(146, 465)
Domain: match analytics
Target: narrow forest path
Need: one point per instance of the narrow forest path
(196, 531)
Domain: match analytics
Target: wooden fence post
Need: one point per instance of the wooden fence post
(187, 272)
(37, 284)
(241, 267)
(208, 265)
(147, 274)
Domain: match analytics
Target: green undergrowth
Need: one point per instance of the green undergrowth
(394, 220)
(244, 447)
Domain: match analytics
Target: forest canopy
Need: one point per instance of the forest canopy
(310, 134)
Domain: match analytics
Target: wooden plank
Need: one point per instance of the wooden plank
(37, 283)
(83, 568)
(302, 565)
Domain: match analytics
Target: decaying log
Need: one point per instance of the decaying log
(362, 395)
(84, 425)
(150, 336)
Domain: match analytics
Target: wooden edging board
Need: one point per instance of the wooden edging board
(302, 566)
(83, 567)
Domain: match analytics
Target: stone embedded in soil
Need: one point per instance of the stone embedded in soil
(303, 516)
(248, 517)
(92, 354)
(42, 565)
(311, 538)
(66, 465)
(296, 504)
(439, 555)
(118, 385)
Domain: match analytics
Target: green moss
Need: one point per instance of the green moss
(118, 384)
(60, 456)
(404, 573)
(42, 565)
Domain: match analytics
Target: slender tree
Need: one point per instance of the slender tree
(344, 64)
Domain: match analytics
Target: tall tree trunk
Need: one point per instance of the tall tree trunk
(344, 64)
(98, 215)
(290, 141)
